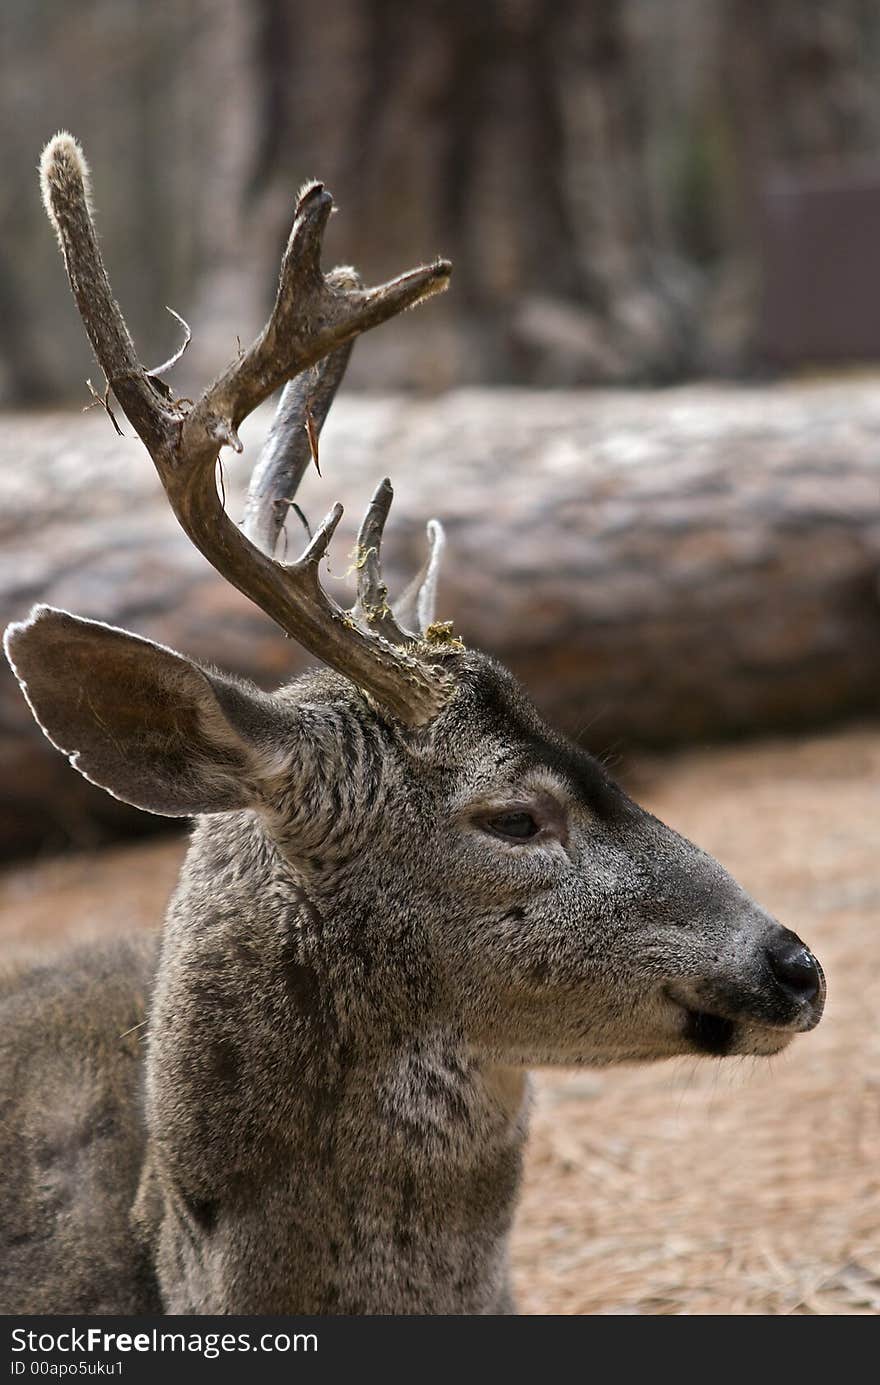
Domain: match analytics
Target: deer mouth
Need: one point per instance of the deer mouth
(710, 1034)
(737, 1025)
(716, 1034)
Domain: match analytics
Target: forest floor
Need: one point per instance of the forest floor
(697, 1187)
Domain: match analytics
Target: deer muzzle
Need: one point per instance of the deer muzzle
(756, 1003)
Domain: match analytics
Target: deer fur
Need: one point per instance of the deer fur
(329, 1109)
(403, 891)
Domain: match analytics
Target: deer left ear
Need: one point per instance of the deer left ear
(144, 723)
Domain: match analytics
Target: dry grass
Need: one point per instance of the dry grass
(728, 1188)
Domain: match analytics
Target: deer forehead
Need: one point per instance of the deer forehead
(490, 745)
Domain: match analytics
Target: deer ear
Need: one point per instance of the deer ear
(142, 722)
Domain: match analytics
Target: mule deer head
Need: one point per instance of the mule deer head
(404, 887)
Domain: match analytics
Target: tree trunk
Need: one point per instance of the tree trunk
(658, 569)
(594, 170)
(522, 140)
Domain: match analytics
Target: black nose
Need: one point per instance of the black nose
(794, 967)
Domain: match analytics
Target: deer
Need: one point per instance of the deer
(403, 891)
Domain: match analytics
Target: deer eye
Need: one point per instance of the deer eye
(517, 826)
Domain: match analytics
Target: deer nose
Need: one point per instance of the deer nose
(795, 967)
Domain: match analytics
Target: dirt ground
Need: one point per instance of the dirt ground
(733, 1187)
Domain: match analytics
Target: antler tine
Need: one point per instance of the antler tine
(312, 317)
(304, 404)
(415, 606)
(319, 542)
(372, 608)
(427, 598)
(65, 184)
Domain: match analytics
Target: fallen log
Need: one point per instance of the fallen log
(657, 568)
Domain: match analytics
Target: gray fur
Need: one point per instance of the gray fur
(355, 976)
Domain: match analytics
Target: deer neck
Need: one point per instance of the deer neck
(297, 1137)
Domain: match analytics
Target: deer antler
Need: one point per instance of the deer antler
(315, 319)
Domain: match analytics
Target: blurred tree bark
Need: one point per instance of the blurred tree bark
(804, 74)
(802, 79)
(159, 93)
(517, 136)
(594, 169)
